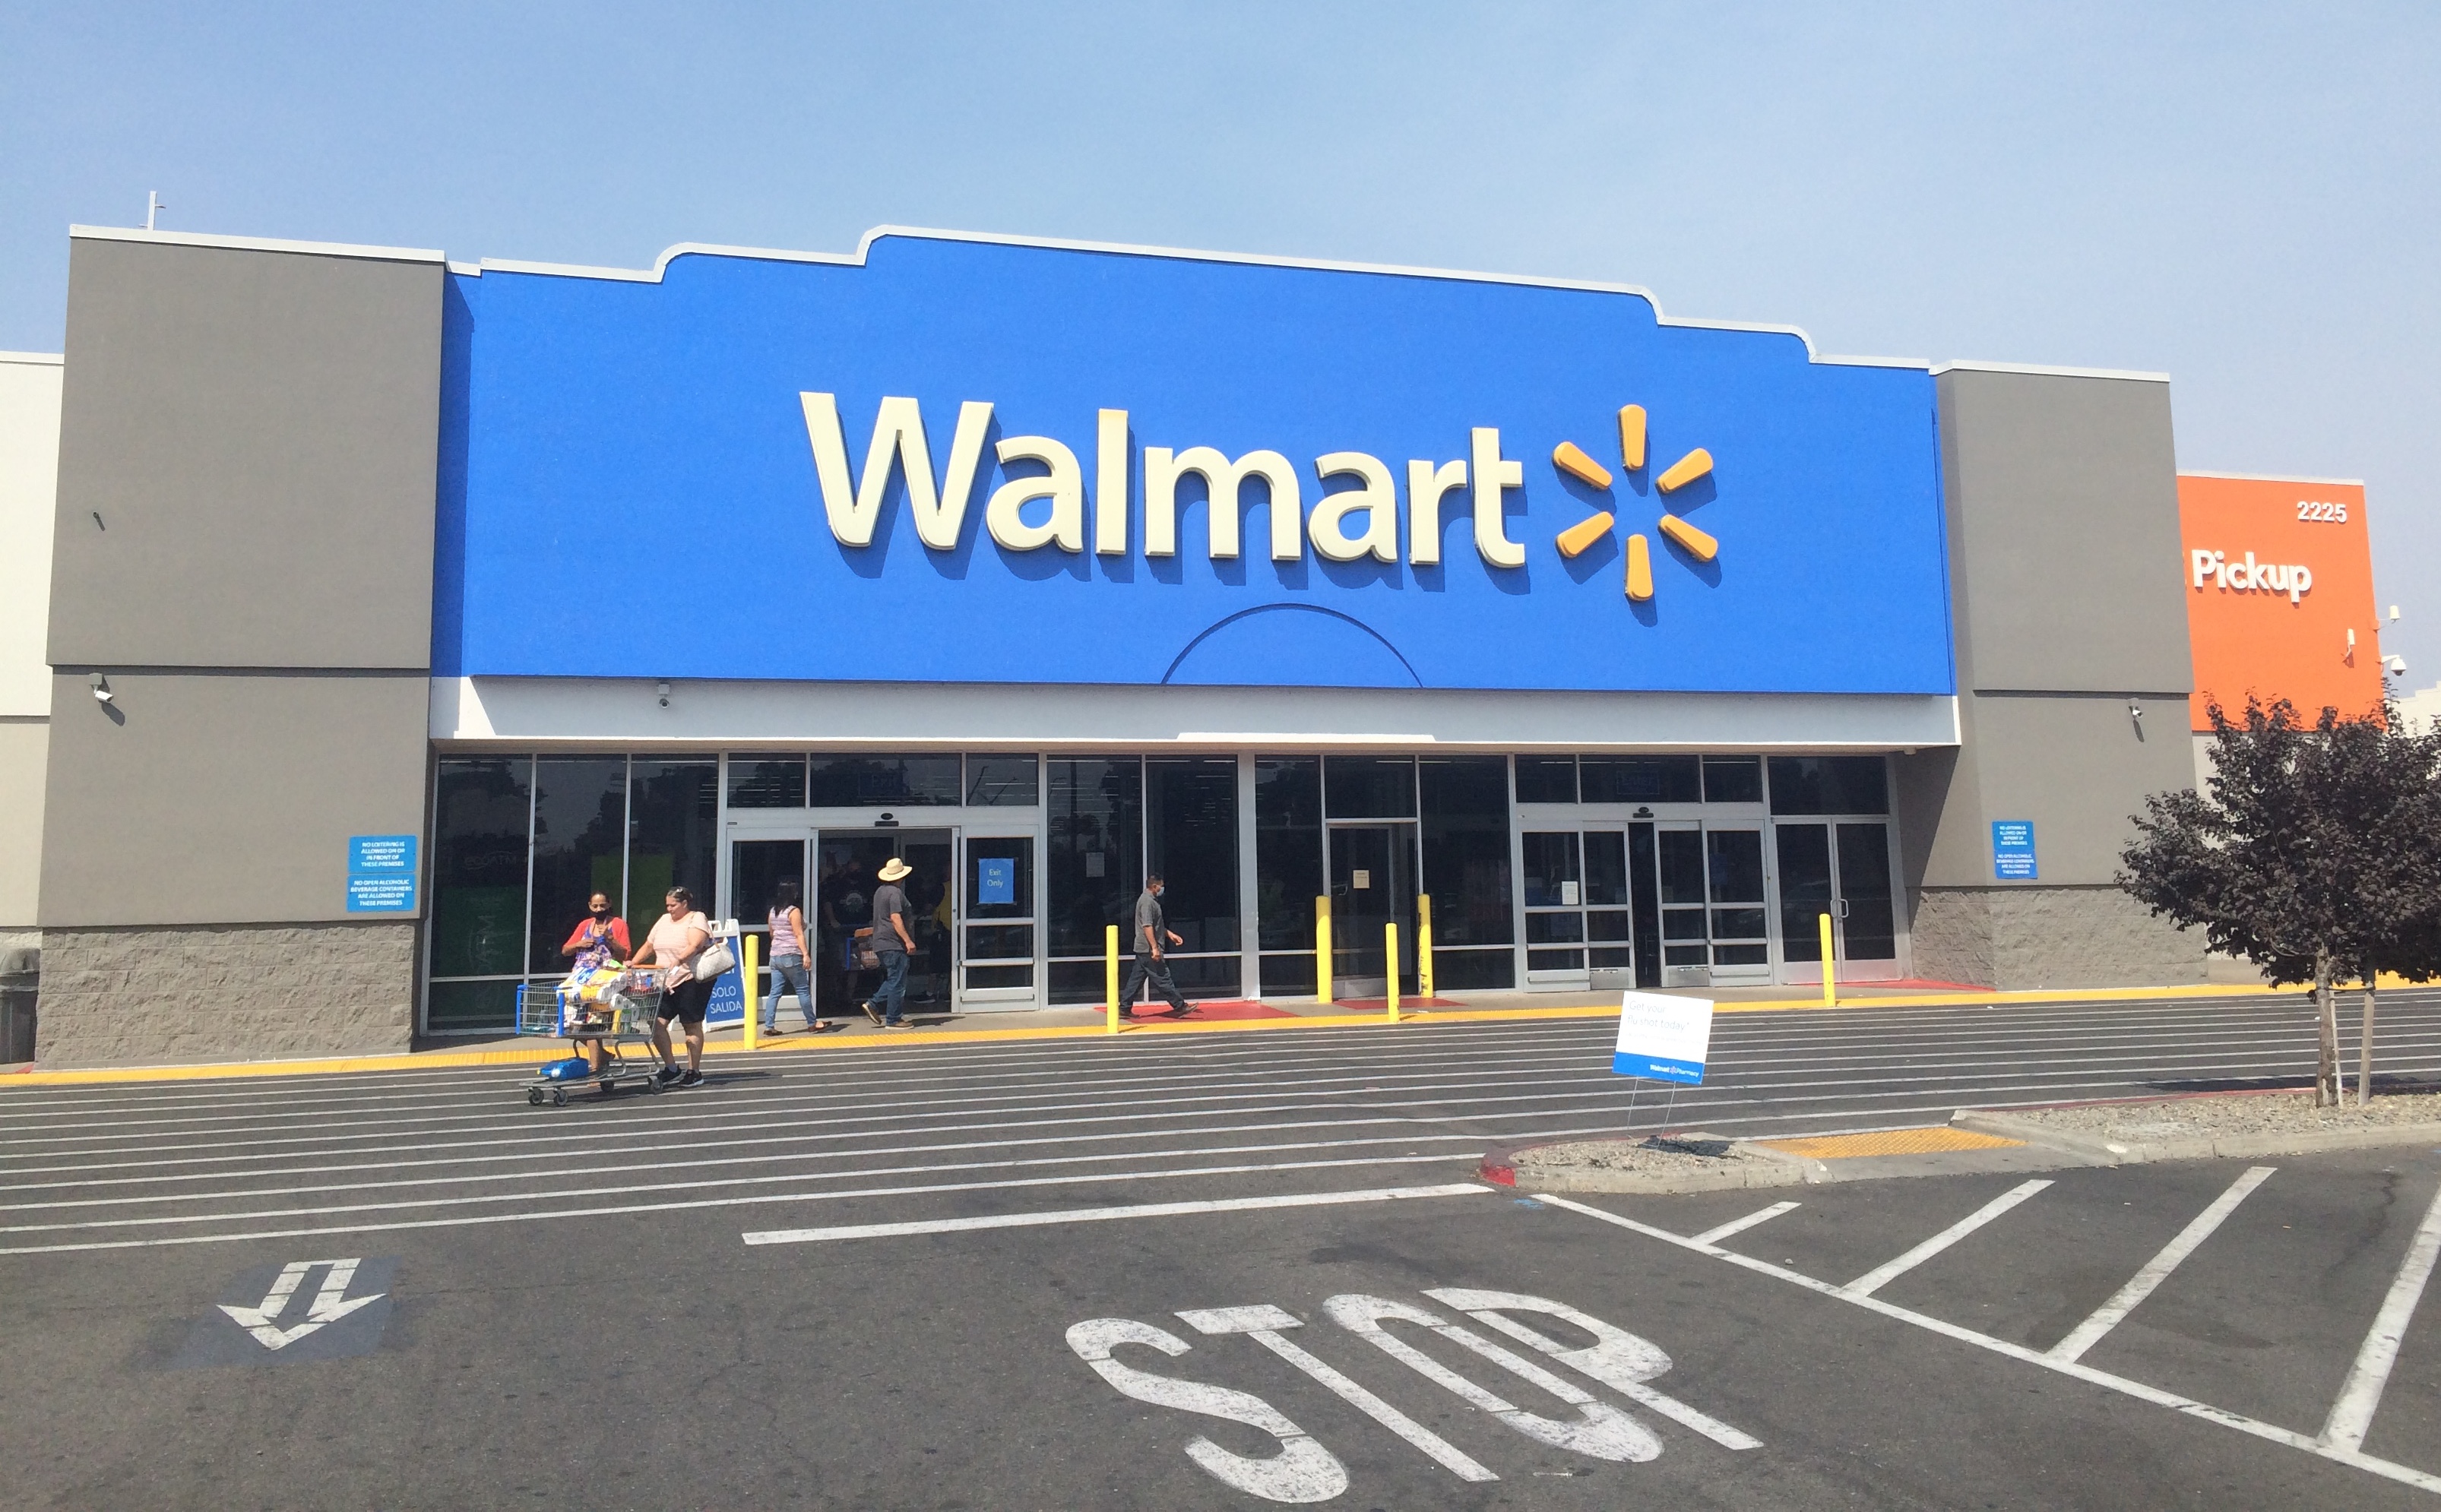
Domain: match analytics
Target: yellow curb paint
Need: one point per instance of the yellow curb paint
(1932, 1140)
(444, 1059)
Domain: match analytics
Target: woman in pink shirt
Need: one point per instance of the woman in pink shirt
(678, 937)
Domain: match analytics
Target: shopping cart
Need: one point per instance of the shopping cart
(621, 1021)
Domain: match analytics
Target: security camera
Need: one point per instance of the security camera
(662, 690)
(101, 688)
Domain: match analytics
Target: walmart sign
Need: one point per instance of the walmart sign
(965, 461)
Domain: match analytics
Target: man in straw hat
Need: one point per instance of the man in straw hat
(892, 943)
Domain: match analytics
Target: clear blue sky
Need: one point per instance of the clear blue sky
(2242, 197)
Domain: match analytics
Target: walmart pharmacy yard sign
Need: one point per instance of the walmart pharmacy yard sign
(1664, 1039)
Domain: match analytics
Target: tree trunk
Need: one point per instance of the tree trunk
(2326, 1012)
(2365, 1049)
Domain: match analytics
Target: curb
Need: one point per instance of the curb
(1773, 1168)
(2235, 1146)
(34, 1075)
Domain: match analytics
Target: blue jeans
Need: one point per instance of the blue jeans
(892, 998)
(788, 975)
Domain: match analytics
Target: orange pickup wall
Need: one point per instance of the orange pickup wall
(2254, 631)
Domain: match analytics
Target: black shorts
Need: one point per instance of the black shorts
(686, 1003)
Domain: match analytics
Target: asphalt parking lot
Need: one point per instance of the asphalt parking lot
(641, 1363)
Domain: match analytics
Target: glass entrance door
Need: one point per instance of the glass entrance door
(849, 865)
(1372, 884)
(996, 946)
(1841, 867)
(1714, 929)
(1580, 920)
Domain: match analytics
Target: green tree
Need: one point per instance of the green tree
(2313, 853)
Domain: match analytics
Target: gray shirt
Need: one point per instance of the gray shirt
(1149, 912)
(888, 899)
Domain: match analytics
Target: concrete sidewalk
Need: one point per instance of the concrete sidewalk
(1089, 1022)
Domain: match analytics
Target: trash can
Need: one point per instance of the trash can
(20, 977)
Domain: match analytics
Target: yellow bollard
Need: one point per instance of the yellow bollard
(1830, 968)
(1111, 975)
(753, 984)
(1424, 945)
(1322, 948)
(1390, 956)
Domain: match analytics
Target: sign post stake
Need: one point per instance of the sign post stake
(1321, 948)
(752, 982)
(1390, 958)
(1830, 968)
(1111, 975)
(1424, 945)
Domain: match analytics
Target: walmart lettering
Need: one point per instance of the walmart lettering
(1031, 512)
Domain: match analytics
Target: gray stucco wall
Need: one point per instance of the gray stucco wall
(226, 798)
(2062, 503)
(257, 430)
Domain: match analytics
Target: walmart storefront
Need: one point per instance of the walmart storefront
(1632, 645)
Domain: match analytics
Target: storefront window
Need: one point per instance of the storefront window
(1732, 779)
(1288, 855)
(480, 813)
(1830, 784)
(672, 808)
(1546, 779)
(1369, 786)
(766, 781)
(1093, 868)
(882, 782)
(579, 848)
(1640, 779)
(1191, 839)
(1466, 867)
(1003, 782)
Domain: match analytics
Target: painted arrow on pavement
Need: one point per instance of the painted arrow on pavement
(329, 1304)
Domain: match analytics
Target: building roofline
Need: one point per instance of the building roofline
(864, 248)
(255, 243)
(2046, 370)
(34, 359)
(2272, 478)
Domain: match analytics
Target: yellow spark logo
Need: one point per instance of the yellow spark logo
(1579, 538)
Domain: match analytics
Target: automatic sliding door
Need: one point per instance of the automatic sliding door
(1555, 918)
(1610, 925)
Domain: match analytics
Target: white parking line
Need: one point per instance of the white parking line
(620, 1210)
(1140, 1210)
(2388, 1470)
(1882, 1275)
(2352, 1414)
(1742, 1225)
(2155, 1271)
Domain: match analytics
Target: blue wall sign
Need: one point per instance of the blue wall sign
(381, 874)
(1181, 469)
(2013, 850)
(994, 879)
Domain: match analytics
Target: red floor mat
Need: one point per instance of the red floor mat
(1208, 1010)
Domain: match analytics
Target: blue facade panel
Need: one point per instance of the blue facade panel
(629, 488)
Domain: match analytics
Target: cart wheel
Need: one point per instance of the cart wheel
(652, 1084)
(533, 1096)
(608, 1087)
(558, 1098)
